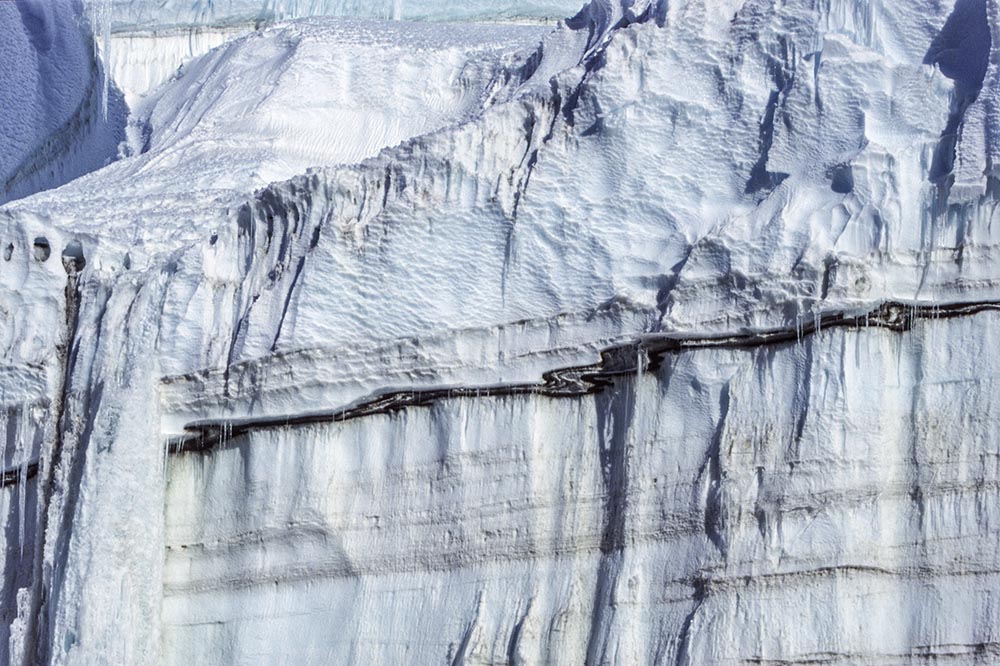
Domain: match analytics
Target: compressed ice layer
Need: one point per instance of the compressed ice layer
(147, 42)
(141, 61)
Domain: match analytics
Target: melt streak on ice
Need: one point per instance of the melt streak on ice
(656, 334)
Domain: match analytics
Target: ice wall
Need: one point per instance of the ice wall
(670, 340)
(822, 500)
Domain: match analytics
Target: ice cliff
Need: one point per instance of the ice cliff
(659, 335)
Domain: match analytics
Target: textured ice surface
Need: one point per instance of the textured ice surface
(688, 515)
(663, 335)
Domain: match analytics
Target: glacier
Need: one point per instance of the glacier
(658, 333)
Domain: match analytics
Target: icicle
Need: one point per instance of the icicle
(3, 433)
(397, 10)
(640, 367)
(99, 14)
(24, 451)
(4, 423)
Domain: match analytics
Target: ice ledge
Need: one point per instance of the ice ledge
(642, 354)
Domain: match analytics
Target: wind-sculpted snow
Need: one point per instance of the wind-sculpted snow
(662, 335)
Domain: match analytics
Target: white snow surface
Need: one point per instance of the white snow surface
(330, 209)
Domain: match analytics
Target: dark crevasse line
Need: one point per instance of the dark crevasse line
(640, 355)
(683, 652)
(711, 470)
(461, 651)
(62, 469)
(21, 528)
(783, 78)
(615, 411)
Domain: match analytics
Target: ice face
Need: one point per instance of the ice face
(659, 335)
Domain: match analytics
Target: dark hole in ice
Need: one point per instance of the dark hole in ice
(128, 261)
(42, 249)
(841, 179)
(8, 252)
(214, 239)
(72, 257)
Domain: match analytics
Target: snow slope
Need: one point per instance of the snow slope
(147, 41)
(660, 335)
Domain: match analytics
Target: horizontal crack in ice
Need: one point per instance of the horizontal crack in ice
(642, 354)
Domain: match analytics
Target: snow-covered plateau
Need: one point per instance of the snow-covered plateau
(461, 333)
